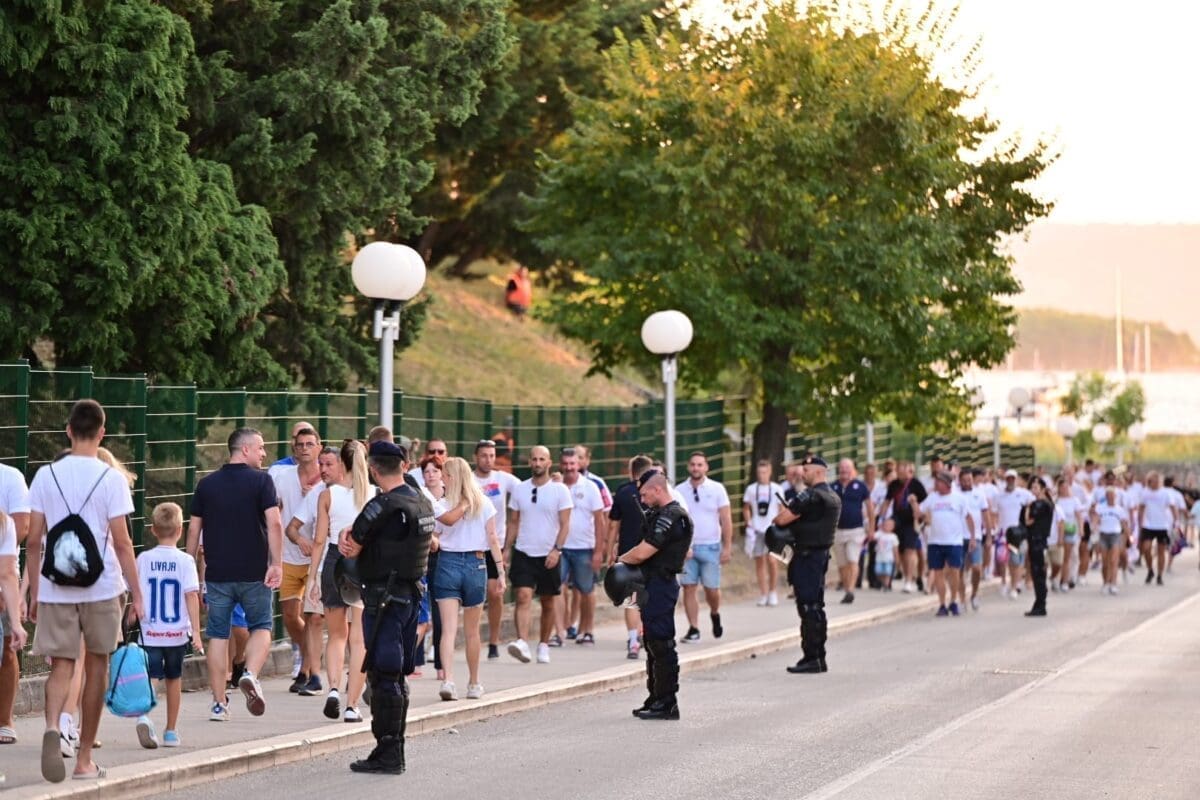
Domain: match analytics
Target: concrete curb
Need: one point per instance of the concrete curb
(191, 769)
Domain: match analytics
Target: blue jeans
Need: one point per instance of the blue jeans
(253, 596)
(577, 569)
(462, 577)
(704, 567)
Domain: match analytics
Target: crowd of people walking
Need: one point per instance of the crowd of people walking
(254, 534)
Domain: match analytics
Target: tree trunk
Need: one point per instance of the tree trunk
(770, 437)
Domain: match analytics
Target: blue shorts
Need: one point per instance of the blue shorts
(941, 556)
(974, 557)
(239, 617)
(1016, 556)
(165, 662)
(577, 569)
(704, 567)
(423, 617)
(462, 577)
(253, 596)
(885, 569)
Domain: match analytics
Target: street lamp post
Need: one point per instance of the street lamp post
(1137, 435)
(667, 334)
(1068, 428)
(391, 275)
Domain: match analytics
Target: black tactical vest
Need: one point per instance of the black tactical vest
(670, 530)
(820, 509)
(395, 529)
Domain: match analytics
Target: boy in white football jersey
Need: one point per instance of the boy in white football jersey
(171, 589)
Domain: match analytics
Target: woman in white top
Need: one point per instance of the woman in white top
(468, 530)
(348, 489)
(1069, 523)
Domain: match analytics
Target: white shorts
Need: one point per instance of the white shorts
(847, 544)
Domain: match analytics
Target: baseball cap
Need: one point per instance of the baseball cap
(1012, 473)
(815, 461)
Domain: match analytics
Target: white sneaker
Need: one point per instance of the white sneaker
(147, 737)
(909, 587)
(219, 712)
(520, 651)
(772, 599)
(974, 603)
(762, 602)
(297, 661)
(543, 653)
(1082, 579)
(474, 691)
(1113, 589)
(448, 691)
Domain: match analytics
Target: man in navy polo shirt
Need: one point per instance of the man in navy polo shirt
(236, 511)
(855, 526)
(626, 518)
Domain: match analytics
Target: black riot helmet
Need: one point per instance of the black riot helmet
(345, 577)
(780, 543)
(623, 582)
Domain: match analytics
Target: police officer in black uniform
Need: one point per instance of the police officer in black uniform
(809, 520)
(666, 539)
(390, 541)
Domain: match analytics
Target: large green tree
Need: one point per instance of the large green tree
(487, 166)
(116, 246)
(823, 207)
(323, 110)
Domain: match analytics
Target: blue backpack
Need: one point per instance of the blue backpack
(130, 690)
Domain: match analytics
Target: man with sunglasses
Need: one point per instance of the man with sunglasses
(497, 486)
(707, 503)
(536, 533)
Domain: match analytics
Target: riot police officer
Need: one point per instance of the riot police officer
(667, 537)
(390, 540)
(810, 519)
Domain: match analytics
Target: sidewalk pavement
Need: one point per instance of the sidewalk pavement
(294, 728)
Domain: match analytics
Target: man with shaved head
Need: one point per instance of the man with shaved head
(661, 553)
(537, 530)
(855, 526)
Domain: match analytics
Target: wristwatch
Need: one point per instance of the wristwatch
(558, 547)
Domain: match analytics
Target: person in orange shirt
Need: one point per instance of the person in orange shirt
(518, 292)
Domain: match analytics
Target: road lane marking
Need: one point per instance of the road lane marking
(834, 788)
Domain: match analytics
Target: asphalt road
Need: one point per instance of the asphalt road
(1097, 700)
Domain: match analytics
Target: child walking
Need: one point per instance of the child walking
(171, 589)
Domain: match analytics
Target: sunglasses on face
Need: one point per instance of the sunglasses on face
(429, 451)
(485, 443)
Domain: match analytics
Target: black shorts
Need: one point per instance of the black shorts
(530, 572)
(165, 663)
(1150, 535)
(909, 539)
(492, 572)
(331, 595)
(1087, 530)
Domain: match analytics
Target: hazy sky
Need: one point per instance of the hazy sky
(1115, 86)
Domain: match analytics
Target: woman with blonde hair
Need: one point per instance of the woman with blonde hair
(348, 488)
(468, 530)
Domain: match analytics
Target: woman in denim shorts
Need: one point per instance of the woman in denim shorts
(467, 532)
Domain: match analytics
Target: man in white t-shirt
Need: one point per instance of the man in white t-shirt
(293, 485)
(950, 523)
(1156, 519)
(14, 503)
(1009, 502)
(537, 533)
(707, 503)
(496, 485)
(760, 505)
(79, 484)
(584, 453)
(582, 553)
(977, 508)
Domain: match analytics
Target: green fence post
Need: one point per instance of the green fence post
(460, 424)
(323, 415)
(139, 453)
(242, 401)
(22, 444)
(398, 411)
(279, 408)
(190, 410)
(362, 413)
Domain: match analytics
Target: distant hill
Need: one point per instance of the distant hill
(1074, 268)
(1048, 339)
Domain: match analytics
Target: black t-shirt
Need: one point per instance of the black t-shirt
(1042, 513)
(898, 493)
(627, 510)
(232, 503)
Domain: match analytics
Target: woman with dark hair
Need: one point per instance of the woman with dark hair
(1039, 517)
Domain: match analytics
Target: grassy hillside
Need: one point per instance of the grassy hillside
(1052, 339)
(472, 346)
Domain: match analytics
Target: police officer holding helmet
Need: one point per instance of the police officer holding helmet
(806, 525)
(390, 541)
(666, 539)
